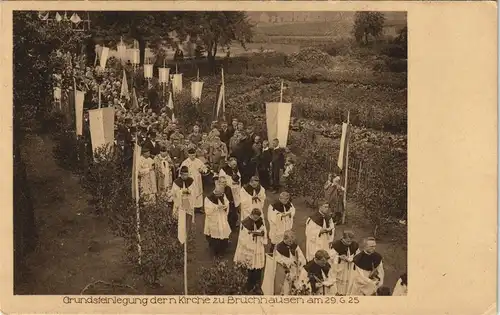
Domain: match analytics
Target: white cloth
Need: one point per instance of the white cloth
(361, 284)
(294, 264)
(327, 287)
(400, 289)
(216, 225)
(195, 169)
(247, 204)
(163, 173)
(147, 178)
(314, 241)
(250, 251)
(343, 271)
(182, 202)
(279, 222)
(235, 187)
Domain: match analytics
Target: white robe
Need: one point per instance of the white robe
(216, 225)
(147, 179)
(343, 270)
(247, 204)
(195, 169)
(314, 242)
(182, 202)
(275, 281)
(235, 187)
(327, 287)
(250, 251)
(362, 285)
(163, 173)
(400, 289)
(279, 222)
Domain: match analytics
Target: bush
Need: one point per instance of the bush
(221, 279)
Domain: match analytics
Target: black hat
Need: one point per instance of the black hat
(145, 150)
(191, 151)
(184, 169)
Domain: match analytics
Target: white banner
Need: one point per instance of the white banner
(134, 56)
(163, 75)
(196, 88)
(278, 121)
(148, 71)
(79, 98)
(101, 126)
(124, 91)
(104, 57)
(57, 93)
(122, 51)
(177, 83)
(343, 146)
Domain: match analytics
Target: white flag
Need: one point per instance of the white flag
(196, 88)
(135, 56)
(344, 142)
(219, 107)
(163, 75)
(58, 17)
(104, 57)
(122, 51)
(170, 103)
(148, 71)
(278, 121)
(135, 172)
(101, 123)
(124, 90)
(269, 275)
(75, 18)
(79, 98)
(177, 83)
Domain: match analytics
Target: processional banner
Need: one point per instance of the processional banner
(278, 121)
(196, 88)
(177, 83)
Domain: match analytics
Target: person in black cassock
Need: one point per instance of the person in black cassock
(277, 164)
(232, 215)
(264, 165)
(152, 144)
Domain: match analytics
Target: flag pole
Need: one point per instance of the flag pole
(176, 69)
(223, 96)
(137, 211)
(99, 104)
(198, 75)
(281, 92)
(185, 263)
(346, 168)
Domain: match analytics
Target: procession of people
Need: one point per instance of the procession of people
(234, 189)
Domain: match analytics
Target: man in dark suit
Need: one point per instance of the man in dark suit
(225, 133)
(152, 144)
(277, 164)
(264, 164)
(176, 152)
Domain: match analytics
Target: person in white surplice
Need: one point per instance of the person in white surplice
(182, 196)
(284, 267)
(147, 177)
(320, 231)
(280, 215)
(252, 195)
(317, 276)
(163, 168)
(217, 228)
(250, 251)
(342, 253)
(196, 168)
(233, 179)
(401, 287)
(368, 274)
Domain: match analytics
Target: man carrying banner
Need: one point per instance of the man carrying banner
(147, 177)
(320, 231)
(217, 228)
(368, 274)
(286, 264)
(342, 253)
(183, 195)
(280, 216)
(196, 168)
(250, 251)
(277, 164)
(264, 165)
(253, 196)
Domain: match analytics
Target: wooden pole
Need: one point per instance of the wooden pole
(346, 169)
(223, 96)
(99, 104)
(176, 69)
(281, 92)
(198, 75)
(185, 264)
(359, 177)
(137, 212)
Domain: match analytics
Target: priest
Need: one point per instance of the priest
(284, 267)
(280, 215)
(163, 168)
(233, 178)
(253, 196)
(147, 177)
(368, 274)
(217, 228)
(250, 251)
(342, 253)
(232, 215)
(182, 195)
(320, 231)
(196, 169)
(317, 276)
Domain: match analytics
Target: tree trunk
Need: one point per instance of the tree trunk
(90, 52)
(211, 58)
(142, 49)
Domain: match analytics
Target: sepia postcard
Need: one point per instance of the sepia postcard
(295, 157)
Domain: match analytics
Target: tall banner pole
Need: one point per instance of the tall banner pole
(198, 75)
(346, 169)
(281, 92)
(185, 264)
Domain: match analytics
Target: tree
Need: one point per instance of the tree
(368, 24)
(219, 29)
